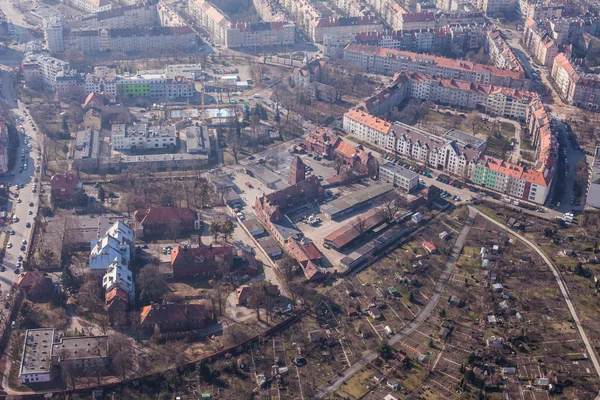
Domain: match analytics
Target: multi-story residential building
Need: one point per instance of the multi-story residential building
(388, 61)
(115, 246)
(276, 33)
(311, 71)
(343, 26)
(539, 43)
(3, 146)
(512, 179)
(565, 77)
(230, 34)
(130, 16)
(494, 7)
(102, 80)
(41, 71)
(143, 137)
(91, 6)
(154, 85)
(501, 53)
(119, 276)
(540, 10)
(405, 140)
(593, 189)
(59, 38)
(399, 176)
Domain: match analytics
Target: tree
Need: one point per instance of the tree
(411, 297)
(227, 230)
(338, 164)
(385, 351)
(90, 296)
(101, 194)
(174, 230)
(150, 284)
(204, 372)
(473, 120)
(67, 279)
(359, 224)
(393, 202)
(235, 139)
(121, 353)
(46, 257)
(215, 229)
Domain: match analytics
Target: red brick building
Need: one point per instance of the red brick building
(172, 317)
(357, 159)
(117, 301)
(158, 220)
(322, 141)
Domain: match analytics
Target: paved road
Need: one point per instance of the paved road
(26, 195)
(561, 285)
(421, 317)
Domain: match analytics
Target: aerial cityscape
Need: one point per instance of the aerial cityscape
(300, 199)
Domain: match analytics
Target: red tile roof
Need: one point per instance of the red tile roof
(172, 313)
(64, 185)
(429, 246)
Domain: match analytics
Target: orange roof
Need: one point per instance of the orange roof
(564, 62)
(438, 61)
(370, 121)
(514, 170)
(346, 149)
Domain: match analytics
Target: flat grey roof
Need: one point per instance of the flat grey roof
(264, 174)
(356, 198)
(252, 225)
(220, 181)
(269, 245)
(464, 138)
(78, 348)
(37, 351)
(399, 170)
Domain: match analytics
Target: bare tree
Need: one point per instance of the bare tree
(393, 202)
(338, 164)
(473, 120)
(121, 354)
(359, 224)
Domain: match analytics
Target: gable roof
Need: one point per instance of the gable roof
(29, 279)
(171, 313)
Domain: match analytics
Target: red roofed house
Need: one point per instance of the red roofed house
(200, 261)
(66, 187)
(117, 301)
(172, 317)
(356, 159)
(308, 256)
(34, 280)
(430, 247)
(158, 220)
(322, 141)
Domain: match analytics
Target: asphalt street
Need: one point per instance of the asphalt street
(22, 209)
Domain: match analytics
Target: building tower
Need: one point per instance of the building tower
(297, 171)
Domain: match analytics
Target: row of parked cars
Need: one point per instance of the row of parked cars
(448, 181)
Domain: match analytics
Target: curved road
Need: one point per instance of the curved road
(562, 286)
(421, 317)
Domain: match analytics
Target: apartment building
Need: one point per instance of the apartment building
(40, 70)
(388, 61)
(593, 189)
(154, 85)
(540, 10)
(500, 52)
(494, 8)
(539, 43)
(437, 152)
(131, 16)
(102, 80)
(421, 41)
(565, 77)
(399, 176)
(119, 276)
(276, 31)
(243, 34)
(142, 137)
(512, 179)
(91, 6)
(343, 26)
(145, 38)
